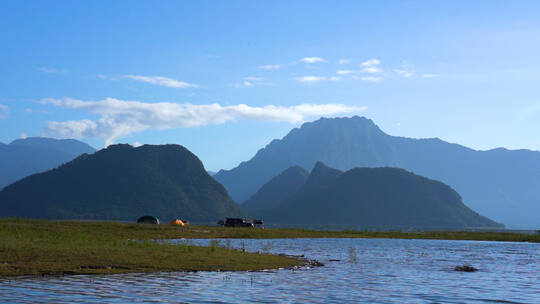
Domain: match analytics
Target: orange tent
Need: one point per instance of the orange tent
(176, 222)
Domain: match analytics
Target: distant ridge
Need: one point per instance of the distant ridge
(381, 198)
(122, 183)
(23, 157)
(501, 184)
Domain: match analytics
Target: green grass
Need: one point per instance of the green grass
(34, 247)
(220, 232)
(30, 247)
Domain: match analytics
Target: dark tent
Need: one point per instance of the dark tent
(148, 219)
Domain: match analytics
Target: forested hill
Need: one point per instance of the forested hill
(380, 198)
(277, 189)
(122, 183)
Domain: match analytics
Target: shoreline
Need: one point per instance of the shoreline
(40, 247)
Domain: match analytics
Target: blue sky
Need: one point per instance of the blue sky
(224, 78)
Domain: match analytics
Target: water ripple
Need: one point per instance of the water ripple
(356, 271)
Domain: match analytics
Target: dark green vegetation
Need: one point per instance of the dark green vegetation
(501, 184)
(378, 198)
(276, 190)
(122, 183)
(24, 157)
(32, 247)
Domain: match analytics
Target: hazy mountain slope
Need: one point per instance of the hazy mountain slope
(277, 189)
(70, 146)
(334, 141)
(501, 184)
(122, 183)
(24, 157)
(379, 198)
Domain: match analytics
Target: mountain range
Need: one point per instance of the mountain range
(122, 183)
(377, 198)
(501, 184)
(24, 157)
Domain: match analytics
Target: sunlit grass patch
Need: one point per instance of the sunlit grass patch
(29, 247)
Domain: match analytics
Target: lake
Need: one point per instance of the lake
(356, 270)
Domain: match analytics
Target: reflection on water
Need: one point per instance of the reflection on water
(356, 270)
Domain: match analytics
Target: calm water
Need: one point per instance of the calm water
(368, 271)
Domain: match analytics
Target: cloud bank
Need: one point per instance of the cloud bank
(162, 81)
(120, 118)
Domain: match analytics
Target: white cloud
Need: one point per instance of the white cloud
(343, 61)
(270, 67)
(4, 112)
(313, 79)
(334, 78)
(346, 72)
(370, 62)
(310, 79)
(368, 78)
(250, 81)
(28, 110)
(312, 59)
(120, 118)
(51, 71)
(23, 135)
(251, 78)
(86, 127)
(372, 70)
(162, 81)
(136, 144)
(406, 71)
(113, 78)
(430, 75)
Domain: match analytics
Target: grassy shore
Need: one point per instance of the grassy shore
(33, 247)
(29, 247)
(274, 233)
(124, 231)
